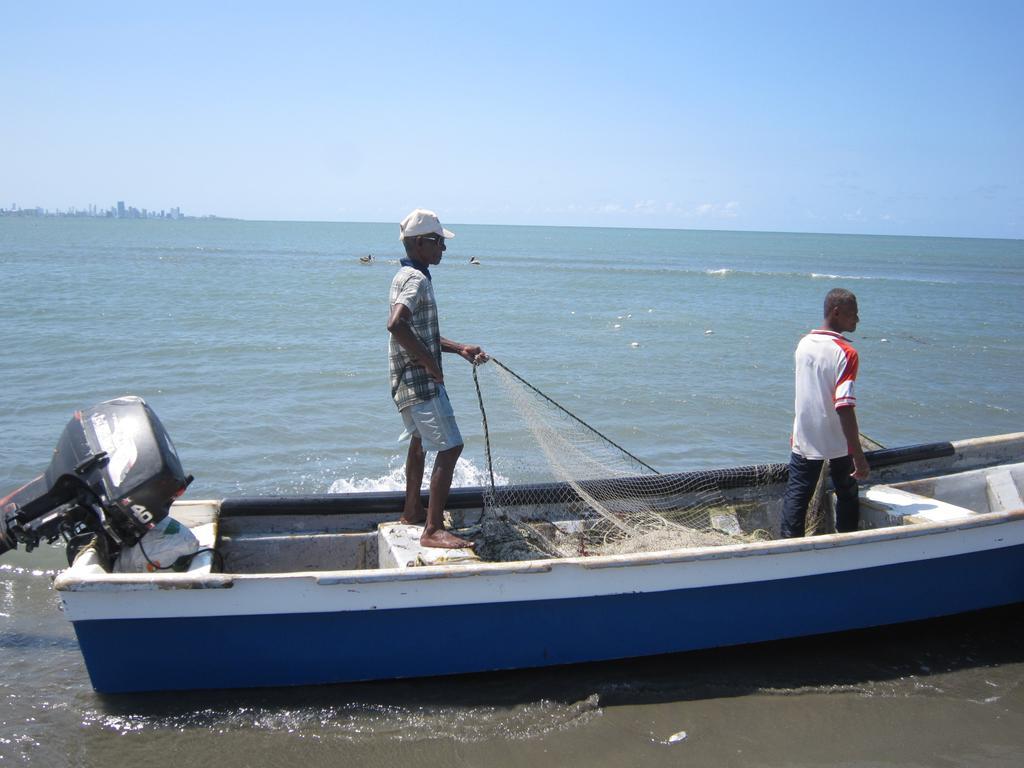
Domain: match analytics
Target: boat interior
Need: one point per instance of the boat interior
(262, 543)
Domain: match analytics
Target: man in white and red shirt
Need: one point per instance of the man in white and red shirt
(825, 426)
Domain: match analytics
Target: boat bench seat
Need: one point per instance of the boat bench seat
(398, 546)
(883, 506)
(989, 489)
(1002, 490)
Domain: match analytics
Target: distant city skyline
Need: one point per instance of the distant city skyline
(117, 211)
(175, 214)
(878, 117)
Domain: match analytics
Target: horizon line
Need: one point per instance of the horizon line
(216, 217)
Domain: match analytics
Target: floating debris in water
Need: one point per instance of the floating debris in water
(708, 332)
(634, 344)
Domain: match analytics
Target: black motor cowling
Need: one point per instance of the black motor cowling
(114, 472)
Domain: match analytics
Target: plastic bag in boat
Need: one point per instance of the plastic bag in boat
(162, 545)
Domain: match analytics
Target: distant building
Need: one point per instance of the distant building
(120, 211)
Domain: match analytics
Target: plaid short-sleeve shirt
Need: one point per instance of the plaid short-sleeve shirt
(410, 382)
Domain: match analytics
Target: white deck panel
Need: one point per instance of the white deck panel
(170, 595)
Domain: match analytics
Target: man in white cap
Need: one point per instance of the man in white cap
(417, 381)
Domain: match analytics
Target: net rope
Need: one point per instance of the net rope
(567, 490)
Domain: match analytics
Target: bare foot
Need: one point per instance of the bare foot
(444, 540)
(413, 518)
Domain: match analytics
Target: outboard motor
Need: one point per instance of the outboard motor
(114, 473)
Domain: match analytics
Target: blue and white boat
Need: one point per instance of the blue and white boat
(328, 589)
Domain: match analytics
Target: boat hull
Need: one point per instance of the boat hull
(341, 628)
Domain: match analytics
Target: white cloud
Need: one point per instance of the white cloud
(664, 211)
(729, 210)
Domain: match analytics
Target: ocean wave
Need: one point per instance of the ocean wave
(467, 475)
(826, 276)
(417, 717)
(659, 269)
(730, 271)
(18, 570)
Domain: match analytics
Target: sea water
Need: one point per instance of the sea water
(262, 347)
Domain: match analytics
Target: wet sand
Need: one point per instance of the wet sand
(942, 692)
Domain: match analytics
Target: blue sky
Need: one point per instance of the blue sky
(870, 117)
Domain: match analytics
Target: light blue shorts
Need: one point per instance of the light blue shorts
(433, 422)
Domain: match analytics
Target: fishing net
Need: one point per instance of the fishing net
(559, 488)
(820, 517)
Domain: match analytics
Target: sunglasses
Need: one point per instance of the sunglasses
(433, 238)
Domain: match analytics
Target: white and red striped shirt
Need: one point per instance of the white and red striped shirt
(826, 367)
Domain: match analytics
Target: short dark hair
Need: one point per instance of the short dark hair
(410, 246)
(837, 297)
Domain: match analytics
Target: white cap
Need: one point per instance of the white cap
(422, 222)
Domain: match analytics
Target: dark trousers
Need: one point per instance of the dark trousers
(803, 477)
